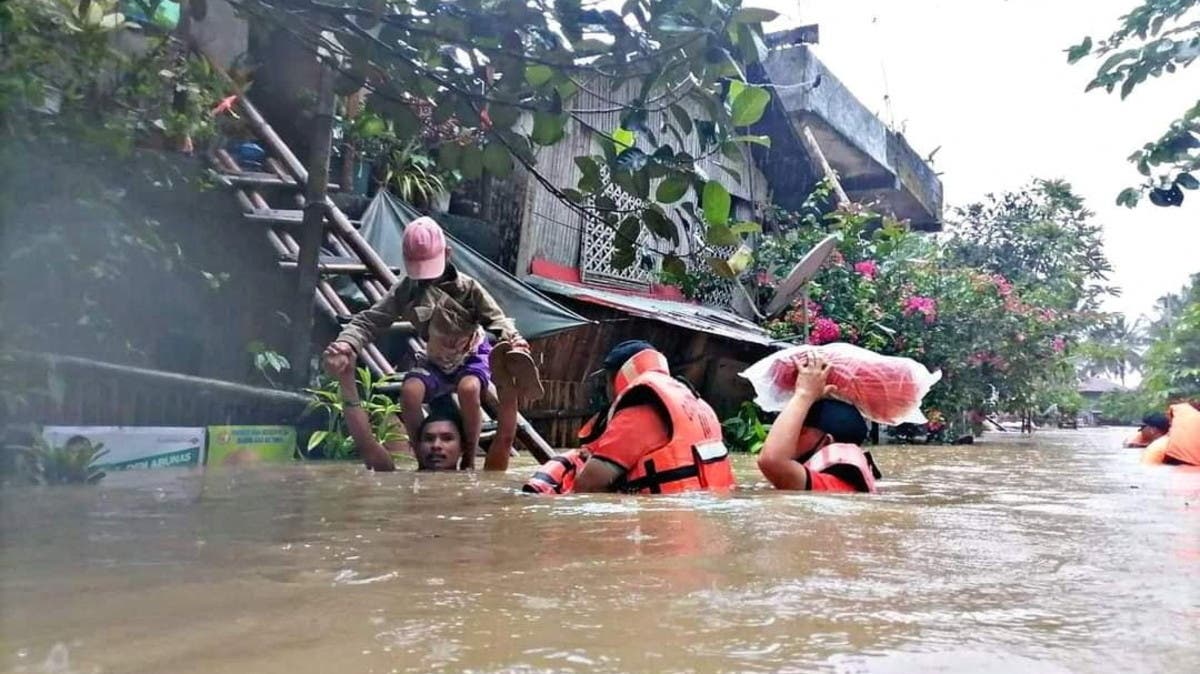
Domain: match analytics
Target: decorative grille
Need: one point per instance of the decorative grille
(599, 241)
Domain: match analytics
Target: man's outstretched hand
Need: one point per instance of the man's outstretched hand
(338, 359)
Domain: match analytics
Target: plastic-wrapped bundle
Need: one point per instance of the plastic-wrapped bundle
(886, 389)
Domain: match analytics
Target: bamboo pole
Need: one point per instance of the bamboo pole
(821, 164)
(311, 230)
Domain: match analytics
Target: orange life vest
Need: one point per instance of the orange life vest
(557, 476)
(1183, 440)
(695, 457)
(844, 454)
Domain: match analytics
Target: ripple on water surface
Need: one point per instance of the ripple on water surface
(1050, 555)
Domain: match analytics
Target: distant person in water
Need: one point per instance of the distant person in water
(815, 443)
(439, 438)
(1154, 426)
(652, 433)
(1181, 444)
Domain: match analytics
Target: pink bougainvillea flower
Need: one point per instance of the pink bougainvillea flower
(824, 331)
(926, 306)
(867, 269)
(1059, 344)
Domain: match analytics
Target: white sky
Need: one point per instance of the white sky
(987, 80)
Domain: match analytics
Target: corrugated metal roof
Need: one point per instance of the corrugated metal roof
(1099, 385)
(683, 314)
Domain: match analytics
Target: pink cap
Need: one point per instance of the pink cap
(424, 249)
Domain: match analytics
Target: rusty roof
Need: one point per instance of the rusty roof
(688, 315)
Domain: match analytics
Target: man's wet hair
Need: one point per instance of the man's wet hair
(442, 409)
(842, 421)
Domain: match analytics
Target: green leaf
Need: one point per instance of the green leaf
(731, 150)
(716, 203)
(1187, 181)
(503, 116)
(659, 225)
(1080, 50)
(736, 87)
(548, 129)
(672, 189)
(627, 233)
(497, 160)
(449, 155)
(764, 141)
(632, 159)
(721, 267)
(720, 236)
(751, 45)
(623, 258)
(754, 15)
(537, 75)
(589, 181)
(746, 227)
(741, 259)
(641, 184)
(372, 127)
(316, 439)
(405, 122)
(471, 162)
(749, 105)
(682, 118)
(1128, 85)
(624, 139)
(673, 266)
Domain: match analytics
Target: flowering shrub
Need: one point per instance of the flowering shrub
(999, 325)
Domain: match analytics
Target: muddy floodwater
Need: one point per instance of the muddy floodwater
(1053, 554)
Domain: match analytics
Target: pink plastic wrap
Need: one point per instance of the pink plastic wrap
(886, 389)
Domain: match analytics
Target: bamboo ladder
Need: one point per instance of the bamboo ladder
(363, 264)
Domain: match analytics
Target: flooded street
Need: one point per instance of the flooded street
(1056, 554)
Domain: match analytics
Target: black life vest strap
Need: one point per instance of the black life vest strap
(654, 480)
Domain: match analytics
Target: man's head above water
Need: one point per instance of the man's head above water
(439, 442)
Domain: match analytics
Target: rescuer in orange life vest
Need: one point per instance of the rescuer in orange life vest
(815, 443)
(656, 436)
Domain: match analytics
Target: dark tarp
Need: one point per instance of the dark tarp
(535, 314)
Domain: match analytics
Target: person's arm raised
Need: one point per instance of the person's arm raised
(777, 461)
(374, 455)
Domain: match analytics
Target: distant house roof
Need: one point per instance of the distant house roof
(686, 315)
(1097, 385)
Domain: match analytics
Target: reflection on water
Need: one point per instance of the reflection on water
(1058, 554)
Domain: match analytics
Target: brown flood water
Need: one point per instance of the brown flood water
(1056, 554)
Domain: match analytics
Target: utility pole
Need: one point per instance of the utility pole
(312, 229)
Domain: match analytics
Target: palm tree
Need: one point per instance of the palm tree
(1115, 348)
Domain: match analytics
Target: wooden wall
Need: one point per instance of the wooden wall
(551, 229)
(710, 363)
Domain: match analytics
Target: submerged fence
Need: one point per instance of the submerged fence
(66, 390)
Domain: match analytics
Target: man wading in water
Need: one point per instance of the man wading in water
(656, 436)
(455, 315)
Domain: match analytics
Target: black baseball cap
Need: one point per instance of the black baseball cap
(621, 353)
(1157, 420)
(840, 420)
